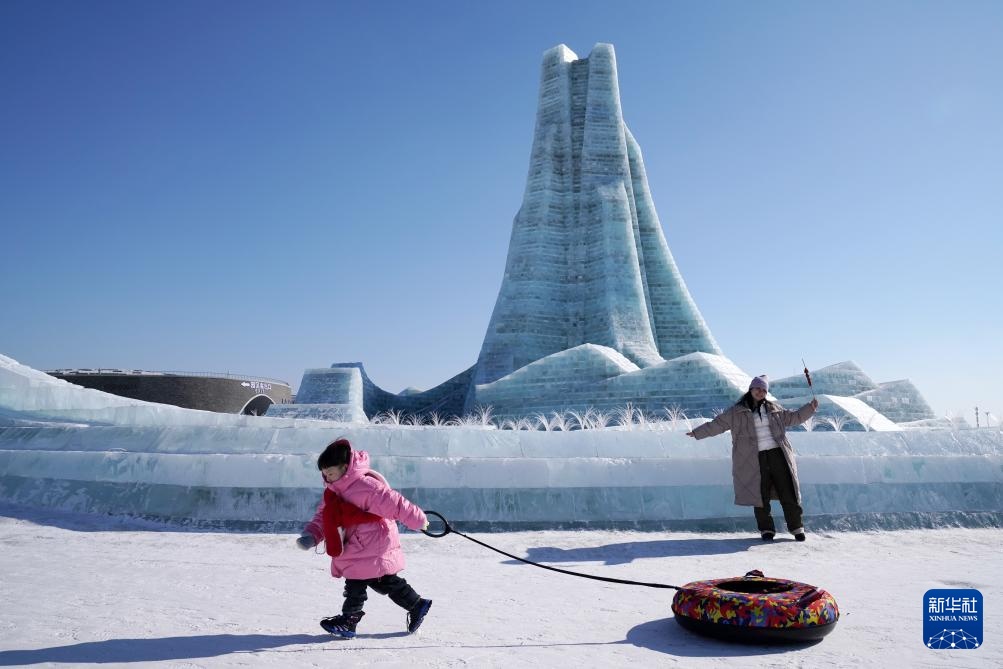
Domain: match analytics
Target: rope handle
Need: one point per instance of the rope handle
(447, 529)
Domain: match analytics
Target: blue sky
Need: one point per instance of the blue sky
(260, 188)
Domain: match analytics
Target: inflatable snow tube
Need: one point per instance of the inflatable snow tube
(756, 609)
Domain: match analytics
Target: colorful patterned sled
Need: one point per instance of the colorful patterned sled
(756, 609)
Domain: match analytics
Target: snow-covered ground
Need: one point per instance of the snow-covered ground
(80, 590)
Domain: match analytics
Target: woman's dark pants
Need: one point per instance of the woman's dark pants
(773, 470)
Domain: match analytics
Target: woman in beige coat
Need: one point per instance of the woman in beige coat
(762, 460)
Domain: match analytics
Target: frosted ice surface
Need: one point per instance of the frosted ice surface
(863, 414)
(318, 385)
(341, 413)
(855, 414)
(599, 377)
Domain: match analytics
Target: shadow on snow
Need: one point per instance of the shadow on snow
(663, 636)
(625, 553)
(156, 650)
(666, 636)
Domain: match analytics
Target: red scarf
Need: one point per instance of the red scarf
(339, 513)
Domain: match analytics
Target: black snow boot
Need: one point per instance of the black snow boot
(768, 536)
(342, 625)
(417, 614)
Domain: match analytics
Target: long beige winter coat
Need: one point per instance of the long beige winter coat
(745, 449)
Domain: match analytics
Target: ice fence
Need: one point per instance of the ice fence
(70, 448)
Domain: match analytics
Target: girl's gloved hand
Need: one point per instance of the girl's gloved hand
(306, 542)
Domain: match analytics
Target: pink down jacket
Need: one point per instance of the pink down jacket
(370, 550)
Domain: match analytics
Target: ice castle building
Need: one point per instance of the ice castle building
(592, 311)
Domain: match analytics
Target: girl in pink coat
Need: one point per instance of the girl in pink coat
(357, 518)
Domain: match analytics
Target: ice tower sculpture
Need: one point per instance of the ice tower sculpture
(592, 306)
(587, 261)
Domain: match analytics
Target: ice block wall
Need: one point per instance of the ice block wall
(265, 477)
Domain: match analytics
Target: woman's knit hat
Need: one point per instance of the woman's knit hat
(760, 382)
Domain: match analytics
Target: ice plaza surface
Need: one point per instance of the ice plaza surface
(182, 599)
(77, 449)
(593, 312)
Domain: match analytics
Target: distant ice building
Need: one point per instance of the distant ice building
(899, 401)
(592, 311)
(207, 391)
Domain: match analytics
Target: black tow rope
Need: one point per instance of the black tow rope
(449, 529)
